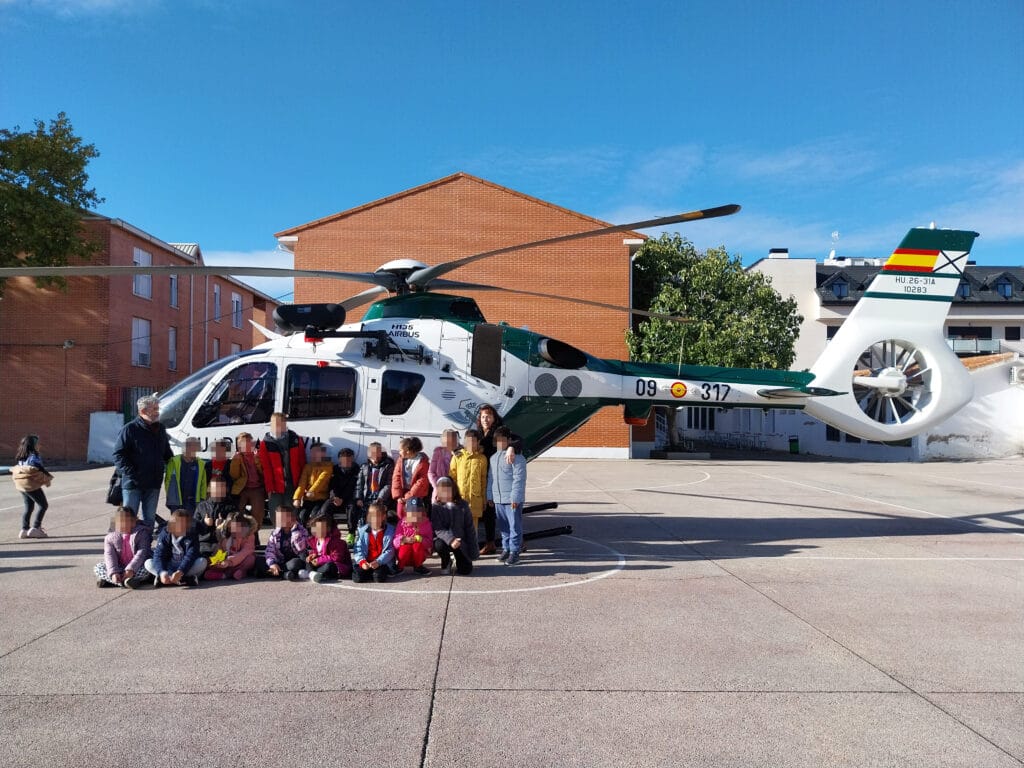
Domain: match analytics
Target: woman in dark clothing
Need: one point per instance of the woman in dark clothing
(488, 420)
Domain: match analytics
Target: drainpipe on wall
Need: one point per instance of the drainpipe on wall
(206, 322)
(191, 322)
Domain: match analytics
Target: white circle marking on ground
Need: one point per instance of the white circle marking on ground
(620, 564)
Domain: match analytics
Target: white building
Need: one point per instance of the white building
(983, 327)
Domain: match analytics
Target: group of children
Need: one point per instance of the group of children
(397, 512)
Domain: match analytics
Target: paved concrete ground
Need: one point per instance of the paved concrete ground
(749, 612)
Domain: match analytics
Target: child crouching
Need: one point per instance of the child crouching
(375, 551)
(414, 538)
(328, 558)
(454, 531)
(176, 559)
(239, 547)
(125, 551)
(286, 547)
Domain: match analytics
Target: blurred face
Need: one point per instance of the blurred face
(178, 525)
(150, 413)
(317, 455)
(451, 441)
(413, 516)
(285, 519)
(443, 494)
(191, 449)
(346, 461)
(320, 529)
(472, 444)
(218, 490)
(219, 451)
(245, 444)
(124, 523)
(279, 427)
(408, 453)
(501, 442)
(486, 418)
(375, 454)
(375, 517)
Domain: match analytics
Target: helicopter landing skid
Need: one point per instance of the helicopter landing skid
(562, 530)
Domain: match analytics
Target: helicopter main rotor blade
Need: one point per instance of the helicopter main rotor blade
(586, 302)
(421, 277)
(382, 279)
(362, 298)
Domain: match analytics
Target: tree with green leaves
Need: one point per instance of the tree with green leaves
(736, 318)
(44, 190)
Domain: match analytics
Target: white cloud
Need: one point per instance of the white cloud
(278, 287)
(664, 172)
(821, 162)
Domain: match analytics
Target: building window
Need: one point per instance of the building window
(172, 348)
(236, 310)
(235, 348)
(140, 342)
(1013, 333)
(174, 290)
(840, 288)
(1004, 288)
(319, 393)
(216, 349)
(831, 434)
(216, 303)
(142, 285)
(830, 331)
(964, 290)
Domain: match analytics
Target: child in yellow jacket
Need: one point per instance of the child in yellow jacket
(315, 482)
(469, 471)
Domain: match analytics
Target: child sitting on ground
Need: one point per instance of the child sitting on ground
(328, 558)
(211, 514)
(286, 547)
(125, 550)
(375, 550)
(414, 538)
(454, 531)
(311, 491)
(176, 559)
(238, 543)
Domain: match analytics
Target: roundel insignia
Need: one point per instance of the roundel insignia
(679, 389)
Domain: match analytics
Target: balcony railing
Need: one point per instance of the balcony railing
(974, 346)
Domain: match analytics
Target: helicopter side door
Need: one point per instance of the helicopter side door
(317, 398)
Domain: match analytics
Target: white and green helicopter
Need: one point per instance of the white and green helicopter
(420, 360)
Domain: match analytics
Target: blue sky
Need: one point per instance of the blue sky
(224, 121)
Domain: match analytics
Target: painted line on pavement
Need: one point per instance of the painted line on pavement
(620, 564)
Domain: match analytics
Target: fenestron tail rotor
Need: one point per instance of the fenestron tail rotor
(892, 381)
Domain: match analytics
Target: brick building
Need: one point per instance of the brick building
(460, 215)
(102, 342)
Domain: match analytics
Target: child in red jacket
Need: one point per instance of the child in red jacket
(328, 558)
(410, 479)
(414, 537)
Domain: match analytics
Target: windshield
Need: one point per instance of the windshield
(175, 402)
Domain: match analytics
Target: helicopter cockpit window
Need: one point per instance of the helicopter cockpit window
(176, 401)
(319, 393)
(244, 396)
(398, 391)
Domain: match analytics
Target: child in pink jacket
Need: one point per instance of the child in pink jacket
(328, 558)
(239, 548)
(414, 538)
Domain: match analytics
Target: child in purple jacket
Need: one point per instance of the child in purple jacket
(328, 558)
(285, 555)
(125, 550)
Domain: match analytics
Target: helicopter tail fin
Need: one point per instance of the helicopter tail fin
(890, 357)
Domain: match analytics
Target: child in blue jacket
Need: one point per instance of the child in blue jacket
(506, 487)
(176, 559)
(375, 550)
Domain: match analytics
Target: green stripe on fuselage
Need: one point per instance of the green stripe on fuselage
(905, 296)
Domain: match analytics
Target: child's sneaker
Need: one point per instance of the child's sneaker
(134, 582)
(103, 583)
(422, 570)
(23, 534)
(303, 574)
(503, 555)
(191, 581)
(290, 576)
(36, 533)
(316, 577)
(512, 559)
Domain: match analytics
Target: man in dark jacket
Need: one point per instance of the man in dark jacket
(140, 455)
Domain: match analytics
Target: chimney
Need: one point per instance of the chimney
(778, 253)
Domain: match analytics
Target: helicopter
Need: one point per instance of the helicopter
(422, 360)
